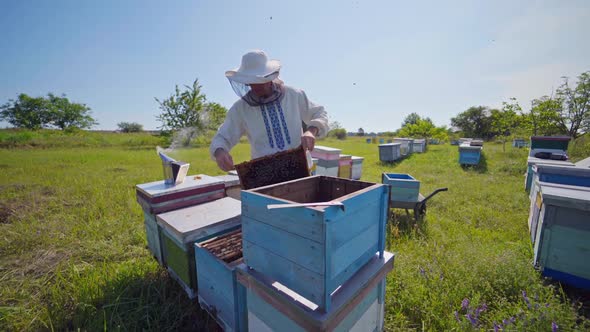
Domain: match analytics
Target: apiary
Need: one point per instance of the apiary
(276, 168)
(531, 161)
(404, 188)
(390, 152)
(357, 168)
(180, 229)
(157, 197)
(419, 145)
(357, 306)
(216, 261)
(562, 237)
(314, 250)
(345, 166)
(469, 155)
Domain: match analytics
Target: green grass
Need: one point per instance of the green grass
(73, 250)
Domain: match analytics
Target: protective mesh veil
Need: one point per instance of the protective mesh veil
(243, 91)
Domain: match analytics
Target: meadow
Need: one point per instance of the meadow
(73, 249)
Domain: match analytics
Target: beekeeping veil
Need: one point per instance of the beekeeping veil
(256, 68)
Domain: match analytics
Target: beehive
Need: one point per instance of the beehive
(328, 160)
(562, 237)
(216, 261)
(276, 168)
(357, 168)
(390, 152)
(325, 153)
(345, 166)
(313, 250)
(404, 188)
(531, 161)
(157, 197)
(232, 185)
(543, 173)
(469, 155)
(405, 147)
(519, 143)
(551, 144)
(419, 145)
(182, 228)
(357, 306)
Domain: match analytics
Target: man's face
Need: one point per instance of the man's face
(262, 90)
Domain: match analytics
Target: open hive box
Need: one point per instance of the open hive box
(314, 250)
(279, 167)
(217, 259)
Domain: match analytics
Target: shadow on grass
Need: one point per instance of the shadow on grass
(576, 296)
(481, 167)
(403, 224)
(150, 301)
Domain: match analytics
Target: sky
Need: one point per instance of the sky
(369, 63)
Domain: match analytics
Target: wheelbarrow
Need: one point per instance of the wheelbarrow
(419, 206)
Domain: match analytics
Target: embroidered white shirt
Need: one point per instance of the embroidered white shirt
(272, 127)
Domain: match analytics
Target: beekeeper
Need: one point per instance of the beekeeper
(268, 112)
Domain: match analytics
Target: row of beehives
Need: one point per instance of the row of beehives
(470, 150)
(400, 148)
(329, 161)
(286, 269)
(559, 216)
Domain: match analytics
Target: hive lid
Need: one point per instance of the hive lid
(585, 163)
(325, 149)
(356, 158)
(229, 180)
(572, 170)
(191, 182)
(345, 156)
(390, 144)
(535, 161)
(201, 220)
(551, 138)
(570, 196)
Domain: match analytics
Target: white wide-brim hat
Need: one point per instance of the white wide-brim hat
(256, 68)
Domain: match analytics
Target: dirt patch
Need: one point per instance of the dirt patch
(4, 166)
(24, 200)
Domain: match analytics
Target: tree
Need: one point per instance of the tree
(506, 120)
(543, 119)
(334, 125)
(130, 127)
(474, 122)
(183, 108)
(361, 132)
(215, 115)
(26, 112)
(575, 105)
(412, 118)
(67, 115)
(339, 133)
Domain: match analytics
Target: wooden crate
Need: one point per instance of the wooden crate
(345, 166)
(404, 188)
(562, 239)
(158, 197)
(216, 261)
(419, 145)
(357, 168)
(180, 229)
(325, 153)
(357, 306)
(279, 167)
(313, 250)
(469, 155)
(390, 152)
(531, 161)
(573, 176)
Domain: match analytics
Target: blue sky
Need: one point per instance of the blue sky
(370, 63)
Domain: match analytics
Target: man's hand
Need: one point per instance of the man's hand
(308, 138)
(224, 160)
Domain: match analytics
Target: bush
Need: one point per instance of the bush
(338, 133)
(130, 127)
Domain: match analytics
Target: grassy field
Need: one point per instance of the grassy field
(73, 250)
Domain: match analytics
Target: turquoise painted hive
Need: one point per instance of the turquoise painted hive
(404, 188)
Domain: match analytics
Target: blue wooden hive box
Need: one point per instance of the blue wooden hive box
(157, 197)
(562, 236)
(219, 294)
(390, 152)
(549, 144)
(573, 176)
(404, 188)
(469, 155)
(314, 250)
(531, 161)
(357, 306)
(419, 145)
(180, 229)
(357, 167)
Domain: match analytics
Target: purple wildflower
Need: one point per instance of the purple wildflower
(422, 272)
(496, 327)
(546, 305)
(505, 322)
(472, 319)
(457, 317)
(526, 299)
(512, 319)
(465, 304)
(554, 327)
